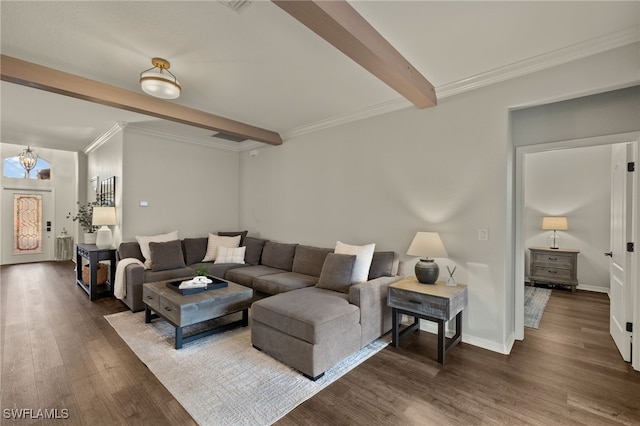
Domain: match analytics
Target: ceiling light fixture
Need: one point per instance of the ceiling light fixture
(156, 82)
(28, 160)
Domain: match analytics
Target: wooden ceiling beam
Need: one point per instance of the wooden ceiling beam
(341, 25)
(37, 76)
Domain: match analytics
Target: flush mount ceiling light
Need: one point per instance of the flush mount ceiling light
(156, 82)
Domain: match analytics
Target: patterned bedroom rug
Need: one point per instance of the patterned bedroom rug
(535, 300)
(221, 379)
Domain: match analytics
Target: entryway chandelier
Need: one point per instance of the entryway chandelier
(28, 160)
(156, 82)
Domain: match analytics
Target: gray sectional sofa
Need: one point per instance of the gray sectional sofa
(306, 313)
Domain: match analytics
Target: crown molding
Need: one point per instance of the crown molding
(375, 110)
(100, 140)
(209, 142)
(507, 72)
(541, 62)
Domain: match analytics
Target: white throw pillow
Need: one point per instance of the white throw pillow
(364, 256)
(144, 244)
(216, 241)
(230, 254)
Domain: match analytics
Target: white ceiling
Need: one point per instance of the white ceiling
(260, 66)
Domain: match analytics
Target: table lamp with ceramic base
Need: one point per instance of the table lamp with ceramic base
(104, 217)
(427, 245)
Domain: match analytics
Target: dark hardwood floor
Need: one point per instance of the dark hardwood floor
(58, 352)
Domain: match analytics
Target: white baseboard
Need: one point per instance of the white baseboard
(505, 349)
(594, 288)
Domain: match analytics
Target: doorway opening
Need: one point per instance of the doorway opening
(520, 244)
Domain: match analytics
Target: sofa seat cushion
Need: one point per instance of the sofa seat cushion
(311, 314)
(152, 276)
(283, 282)
(244, 276)
(216, 269)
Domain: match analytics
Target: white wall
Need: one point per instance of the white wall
(575, 183)
(190, 188)
(105, 161)
(63, 183)
(445, 169)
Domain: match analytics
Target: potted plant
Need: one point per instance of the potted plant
(202, 272)
(85, 217)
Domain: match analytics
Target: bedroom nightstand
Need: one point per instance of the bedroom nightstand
(554, 266)
(433, 302)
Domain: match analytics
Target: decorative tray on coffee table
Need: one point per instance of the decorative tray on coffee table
(216, 283)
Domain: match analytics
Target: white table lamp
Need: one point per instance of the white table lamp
(104, 217)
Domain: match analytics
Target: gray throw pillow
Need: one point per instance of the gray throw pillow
(166, 255)
(243, 235)
(195, 249)
(336, 272)
(254, 250)
(383, 264)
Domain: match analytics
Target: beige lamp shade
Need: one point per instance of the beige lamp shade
(104, 216)
(555, 223)
(427, 244)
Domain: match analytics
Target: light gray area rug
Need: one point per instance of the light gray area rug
(535, 300)
(221, 379)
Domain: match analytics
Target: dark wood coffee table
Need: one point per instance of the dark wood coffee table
(182, 311)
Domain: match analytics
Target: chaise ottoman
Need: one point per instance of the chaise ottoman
(309, 329)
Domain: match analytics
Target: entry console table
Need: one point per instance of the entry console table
(554, 266)
(94, 255)
(433, 302)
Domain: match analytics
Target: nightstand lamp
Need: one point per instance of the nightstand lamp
(427, 245)
(104, 217)
(555, 223)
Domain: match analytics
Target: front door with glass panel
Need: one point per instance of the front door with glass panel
(27, 228)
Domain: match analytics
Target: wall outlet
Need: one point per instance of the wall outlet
(144, 203)
(483, 234)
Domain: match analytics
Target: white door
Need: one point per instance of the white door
(622, 200)
(27, 226)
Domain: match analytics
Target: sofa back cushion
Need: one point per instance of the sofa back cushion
(309, 260)
(253, 253)
(130, 249)
(278, 255)
(194, 249)
(384, 264)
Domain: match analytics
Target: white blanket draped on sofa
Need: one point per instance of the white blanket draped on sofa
(119, 288)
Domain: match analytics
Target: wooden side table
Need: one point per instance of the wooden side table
(433, 302)
(94, 255)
